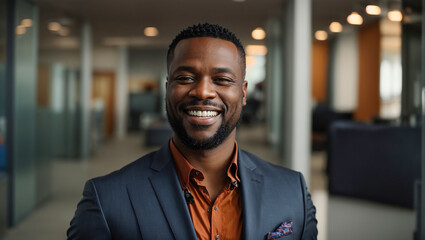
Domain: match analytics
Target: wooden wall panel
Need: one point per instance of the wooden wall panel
(320, 63)
(103, 88)
(368, 101)
(43, 86)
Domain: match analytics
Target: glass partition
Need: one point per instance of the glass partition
(2, 85)
(22, 90)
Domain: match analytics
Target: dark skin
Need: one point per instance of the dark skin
(205, 68)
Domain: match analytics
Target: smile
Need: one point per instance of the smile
(202, 114)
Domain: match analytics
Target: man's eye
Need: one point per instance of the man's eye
(223, 81)
(184, 79)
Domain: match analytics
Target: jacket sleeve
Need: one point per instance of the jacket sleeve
(310, 221)
(89, 221)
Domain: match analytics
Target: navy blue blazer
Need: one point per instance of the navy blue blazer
(144, 200)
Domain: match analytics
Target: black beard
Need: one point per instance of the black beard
(222, 133)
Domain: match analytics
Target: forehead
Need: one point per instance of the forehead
(206, 49)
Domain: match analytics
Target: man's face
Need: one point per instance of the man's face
(205, 91)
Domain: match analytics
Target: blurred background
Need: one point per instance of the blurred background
(335, 90)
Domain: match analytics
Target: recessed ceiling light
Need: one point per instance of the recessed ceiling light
(321, 35)
(151, 32)
(238, 0)
(54, 26)
(26, 22)
(355, 19)
(20, 30)
(335, 27)
(395, 16)
(373, 9)
(258, 34)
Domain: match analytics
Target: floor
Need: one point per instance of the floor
(338, 217)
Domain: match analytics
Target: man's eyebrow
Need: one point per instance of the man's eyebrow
(224, 70)
(185, 68)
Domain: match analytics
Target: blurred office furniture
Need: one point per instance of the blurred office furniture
(158, 134)
(322, 118)
(385, 121)
(374, 162)
(142, 103)
(2, 155)
(250, 111)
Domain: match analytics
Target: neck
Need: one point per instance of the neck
(213, 163)
(210, 160)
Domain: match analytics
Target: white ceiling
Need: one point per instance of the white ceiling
(127, 18)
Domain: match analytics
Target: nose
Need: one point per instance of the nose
(203, 89)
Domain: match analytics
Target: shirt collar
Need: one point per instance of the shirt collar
(185, 170)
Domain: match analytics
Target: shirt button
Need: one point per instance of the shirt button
(216, 208)
(196, 173)
(205, 190)
(209, 210)
(217, 237)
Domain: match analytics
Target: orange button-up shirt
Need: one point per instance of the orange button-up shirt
(221, 219)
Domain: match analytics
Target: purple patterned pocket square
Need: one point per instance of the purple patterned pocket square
(283, 230)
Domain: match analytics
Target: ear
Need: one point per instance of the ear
(244, 89)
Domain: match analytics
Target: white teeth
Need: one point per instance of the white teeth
(202, 114)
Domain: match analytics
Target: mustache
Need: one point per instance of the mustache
(205, 102)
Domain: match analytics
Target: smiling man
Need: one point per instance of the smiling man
(200, 185)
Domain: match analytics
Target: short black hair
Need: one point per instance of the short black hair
(207, 30)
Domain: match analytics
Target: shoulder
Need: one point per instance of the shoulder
(136, 169)
(269, 170)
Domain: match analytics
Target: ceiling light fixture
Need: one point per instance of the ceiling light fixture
(355, 19)
(26, 22)
(335, 27)
(395, 15)
(373, 9)
(256, 50)
(321, 35)
(258, 34)
(20, 30)
(151, 32)
(54, 26)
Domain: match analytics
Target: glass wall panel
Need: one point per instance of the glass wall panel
(3, 176)
(23, 169)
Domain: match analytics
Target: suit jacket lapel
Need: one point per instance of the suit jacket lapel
(167, 190)
(252, 192)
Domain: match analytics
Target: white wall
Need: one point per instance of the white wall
(147, 63)
(69, 58)
(103, 58)
(345, 71)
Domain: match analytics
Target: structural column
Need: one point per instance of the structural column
(85, 89)
(121, 93)
(297, 85)
(274, 84)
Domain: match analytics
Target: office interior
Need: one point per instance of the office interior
(335, 90)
